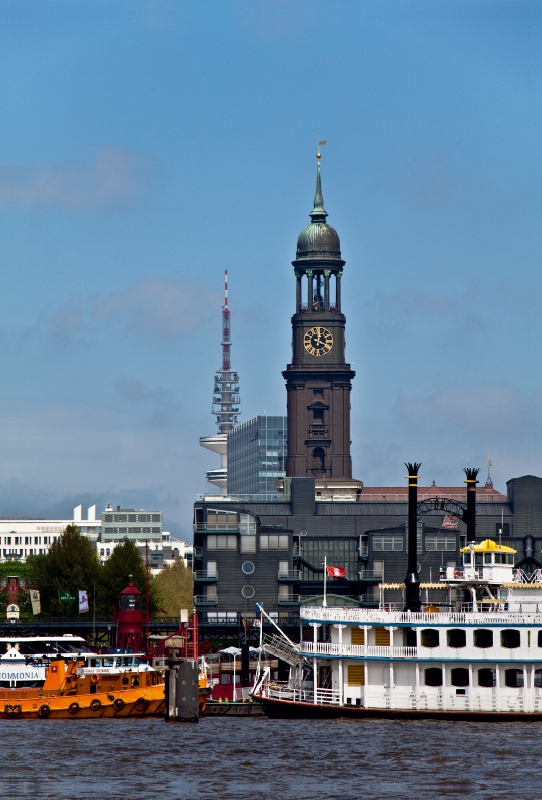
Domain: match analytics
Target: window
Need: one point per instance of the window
(433, 676)
(7, 540)
(382, 637)
(211, 569)
(318, 392)
(318, 416)
(283, 569)
(220, 520)
(28, 540)
(410, 637)
(225, 678)
(247, 525)
(430, 638)
(273, 542)
(513, 678)
(440, 543)
(538, 678)
(483, 638)
(510, 638)
(248, 544)
(222, 543)
(460, 677)
(388, 543)
(456, 638)
(540, 638)
(358, 636)
(487, 678)
(356, 674)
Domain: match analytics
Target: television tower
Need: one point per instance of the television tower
(225, 402)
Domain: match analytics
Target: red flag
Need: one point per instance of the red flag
(336, 572)
(450, 522)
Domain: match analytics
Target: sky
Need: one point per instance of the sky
(148, 145)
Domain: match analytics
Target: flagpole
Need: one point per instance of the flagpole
(324, 601)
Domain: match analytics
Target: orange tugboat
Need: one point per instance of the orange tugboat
(96, 686)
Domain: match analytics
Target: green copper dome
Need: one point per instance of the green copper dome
(318, 240)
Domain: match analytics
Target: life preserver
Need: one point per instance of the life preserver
(13, 711)
(95, 704)
(73, 708)
(141, 705)
(94, 678)
(119, 704)
(457, 573)
(44, 711)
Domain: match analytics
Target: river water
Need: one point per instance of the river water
(259, 758)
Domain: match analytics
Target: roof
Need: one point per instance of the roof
(489, 546)
(483, 492)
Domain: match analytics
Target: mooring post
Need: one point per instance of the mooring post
(182, 689)
(412, 580)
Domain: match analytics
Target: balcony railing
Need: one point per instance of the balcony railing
(356, 650)
(289, 600)
(266, 497)
(297, 551)
(371, 575)
(198, 552)
(203, 600)
(213, 527)
(289, 575)
(205, 576)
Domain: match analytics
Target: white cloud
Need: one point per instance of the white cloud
(115, 178)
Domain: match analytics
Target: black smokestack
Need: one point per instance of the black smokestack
(471, 475)
(412, 580)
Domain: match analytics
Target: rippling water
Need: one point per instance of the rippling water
(223, 758)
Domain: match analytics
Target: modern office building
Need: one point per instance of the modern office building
(132, 524)
(257, 452)
(23, 537)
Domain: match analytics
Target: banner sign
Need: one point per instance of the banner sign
(65, 597)
(35, 599)
(83, 601)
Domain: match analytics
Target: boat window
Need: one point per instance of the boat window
(513, 678)
(410, 637)
(460, 677)
(483, 638)
(457, 638)
(510, 558)
(510, 638)
(466, 558)
(94, 662)
(487, 558)
(540, 638)
(486, 677)
(430, 638)
(538, 678)
(477, 559)
(433, 676)
(107, 662)
(127, 660)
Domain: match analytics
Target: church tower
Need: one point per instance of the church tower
(318, 381)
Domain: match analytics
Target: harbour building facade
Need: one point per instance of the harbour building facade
(257, 451)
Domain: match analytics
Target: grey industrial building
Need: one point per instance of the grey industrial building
(257, 456)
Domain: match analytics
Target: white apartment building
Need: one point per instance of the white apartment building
(20, 538)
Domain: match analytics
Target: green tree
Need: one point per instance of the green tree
(175, 587)
(125, 560)
(70, 565)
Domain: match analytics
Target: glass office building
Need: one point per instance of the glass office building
(257, 455)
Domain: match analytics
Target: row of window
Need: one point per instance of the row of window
(131, 517)
(432, 543)
(247, 543)
(28, 539)
(459, 677)
(33, 551)
(481, 637)
(137, 531)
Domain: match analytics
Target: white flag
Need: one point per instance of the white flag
(83, 601)
(35, 600)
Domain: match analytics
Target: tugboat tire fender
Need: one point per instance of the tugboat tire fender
(119, 704)
(94, 678)
(73, 708)
(44, 711)
(13, 711)
(141, 705)
(95, 704)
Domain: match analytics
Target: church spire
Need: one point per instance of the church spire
(318, 213)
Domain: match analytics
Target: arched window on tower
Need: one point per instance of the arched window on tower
(318, 462)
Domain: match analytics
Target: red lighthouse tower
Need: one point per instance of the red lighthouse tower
(130, 619)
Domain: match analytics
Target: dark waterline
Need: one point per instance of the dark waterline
(259, 758)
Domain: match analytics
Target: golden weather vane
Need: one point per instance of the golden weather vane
(318, 154)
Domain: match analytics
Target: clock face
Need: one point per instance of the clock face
(318, 341)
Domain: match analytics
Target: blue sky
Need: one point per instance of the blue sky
(146, 146)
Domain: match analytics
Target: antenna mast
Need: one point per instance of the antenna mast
(226, 388)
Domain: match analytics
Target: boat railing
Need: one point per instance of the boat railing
(359, 650)
(359, 616)
(301, 695)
